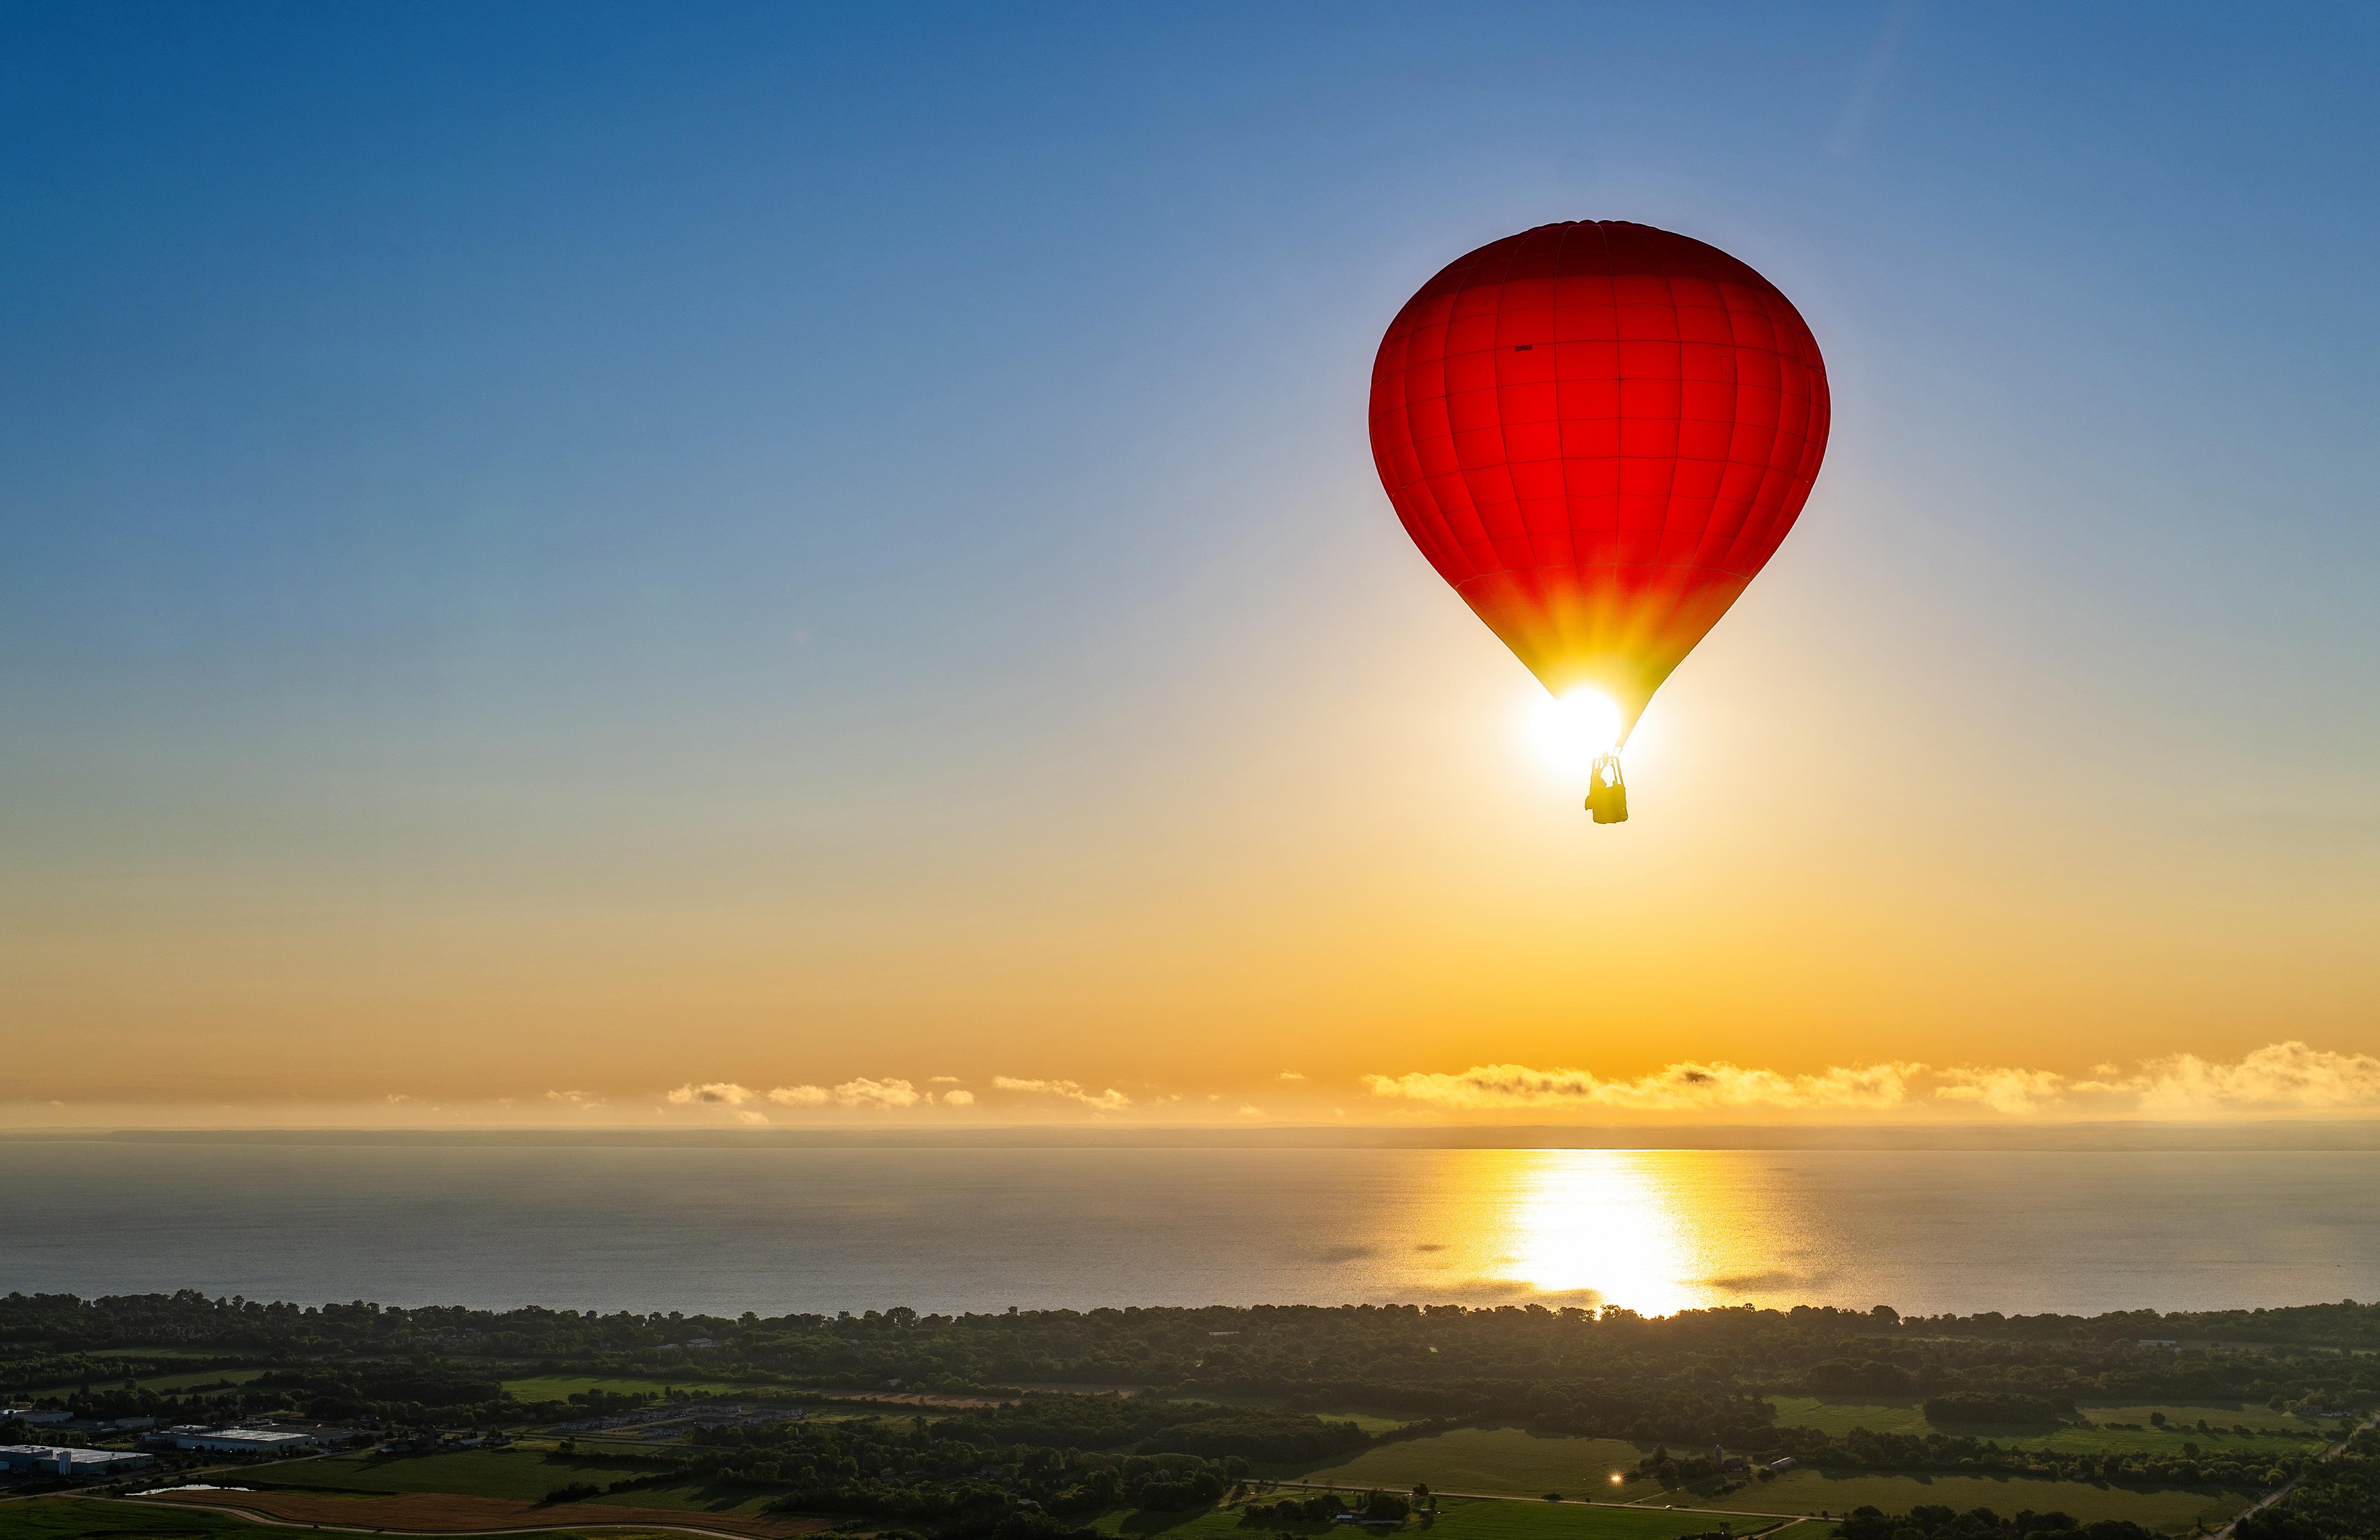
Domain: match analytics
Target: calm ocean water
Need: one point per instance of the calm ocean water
(776, 1229)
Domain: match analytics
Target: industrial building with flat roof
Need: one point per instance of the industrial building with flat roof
(233, 1440)
(62, 1461)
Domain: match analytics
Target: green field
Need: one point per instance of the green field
(1495, 1459)
(1841, 1414)
(2169, 1509)
(557, 1388)
(1576, 1520)
(80, 1519)
(526, 1474)
(1459, 1518)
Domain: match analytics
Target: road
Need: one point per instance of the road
(2285, 1488)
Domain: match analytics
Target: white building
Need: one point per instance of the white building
(235, 1440)
(87, 1464)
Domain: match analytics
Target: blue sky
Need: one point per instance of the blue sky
(485, 477)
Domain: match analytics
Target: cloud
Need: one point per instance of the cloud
(880, 1094)
(2015, 1092)
(1679, 1087)
(2289, 1076)
(719, 1093)
(584, 1101)
(875, 1094)
(958, 1099)
(1291, 1075)
(751, 1117)
(1251, 1112)
(1109, 1101)
(941, 1079)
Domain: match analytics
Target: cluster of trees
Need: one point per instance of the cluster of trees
(1318, 1508)
(382, 1392)
(2058, 1374)
(1693, 1378)
(2338, 1499)
(1996, 1406)
(1271, 1345)
(1937, 1522)
(941, 1472)
(1674, 1471)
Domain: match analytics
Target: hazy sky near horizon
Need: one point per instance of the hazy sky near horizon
(555, 554)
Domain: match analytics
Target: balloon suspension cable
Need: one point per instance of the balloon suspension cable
(1607, 790)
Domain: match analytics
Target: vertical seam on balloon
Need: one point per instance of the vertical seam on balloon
(1496, 385)
(1422, 489)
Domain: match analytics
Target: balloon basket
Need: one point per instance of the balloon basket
(1606, 793)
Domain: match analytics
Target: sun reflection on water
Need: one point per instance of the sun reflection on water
(1654, 1231)
(1600, 1224)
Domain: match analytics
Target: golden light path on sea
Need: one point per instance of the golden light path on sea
(1649, 1231)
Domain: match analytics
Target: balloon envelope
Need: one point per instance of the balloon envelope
(1598, 432)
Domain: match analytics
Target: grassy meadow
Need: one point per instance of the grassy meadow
(1511, 1460)
(2166, 1508)
(1841, 1414)
(1458, 1518)
(167, 1383)
(1480, 1520)
(555, 1388)
(81, 1519)
(524, 1475)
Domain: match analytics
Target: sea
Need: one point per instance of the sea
(730, 1227)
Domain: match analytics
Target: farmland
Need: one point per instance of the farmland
(1838, 1414)
(524, 1474)
(80, 1519)
(2168, 1509)
(436, 1512)
(1496, 1460)
(1458, 1518)
(511, 1475)
(1543, 1520)
(555, 1388)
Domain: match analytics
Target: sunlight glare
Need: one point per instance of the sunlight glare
(1570, 733)
(1596, 1221)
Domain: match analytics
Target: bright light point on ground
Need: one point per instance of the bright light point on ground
(1615, 1478)
(1570, 733)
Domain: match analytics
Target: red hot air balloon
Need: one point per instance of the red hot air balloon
(1598, 432)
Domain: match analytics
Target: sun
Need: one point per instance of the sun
(1570, 733)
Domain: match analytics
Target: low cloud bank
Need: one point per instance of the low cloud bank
(1109, 1100)
(861, 1094)
(1683, 1087)
(2278, 1077)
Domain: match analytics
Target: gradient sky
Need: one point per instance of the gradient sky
(567, 549)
